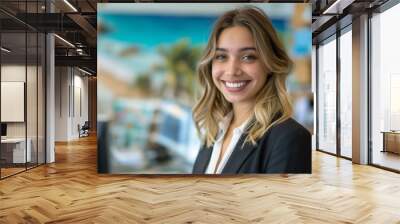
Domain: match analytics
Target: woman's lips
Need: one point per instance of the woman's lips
(235, 86)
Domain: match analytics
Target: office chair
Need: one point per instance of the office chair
(84, 130)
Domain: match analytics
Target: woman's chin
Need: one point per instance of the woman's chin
(234, 99)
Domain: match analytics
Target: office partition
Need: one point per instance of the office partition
(22, 77)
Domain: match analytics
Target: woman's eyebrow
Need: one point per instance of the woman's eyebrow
(241, 49)
(247, 49)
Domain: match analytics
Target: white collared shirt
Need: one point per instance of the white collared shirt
(237, 133)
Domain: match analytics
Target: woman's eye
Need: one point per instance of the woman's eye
(220, 57)
(249, 58)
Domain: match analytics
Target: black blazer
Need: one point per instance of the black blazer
(284, 148)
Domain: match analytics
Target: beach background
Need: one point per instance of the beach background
(147, 85)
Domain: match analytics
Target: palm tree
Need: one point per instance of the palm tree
(143, 82)
(180, 61)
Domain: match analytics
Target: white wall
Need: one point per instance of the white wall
(81, 100)
(61, 103)
(71, 87)
(13, 73)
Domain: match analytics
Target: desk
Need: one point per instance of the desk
(391, 141)
(17, 148)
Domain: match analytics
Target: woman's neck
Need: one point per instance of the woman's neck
(241, 113)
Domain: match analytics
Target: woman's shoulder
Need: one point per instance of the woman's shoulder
(288, 135)
(289, 127)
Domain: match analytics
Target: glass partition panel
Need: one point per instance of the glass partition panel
(327, 96)
(346, 94)
(14, 152)
(22, 64)
(385, 89)
(31, 98)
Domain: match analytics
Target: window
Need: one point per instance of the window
(346, 94)
(385, 89)
(327, 96)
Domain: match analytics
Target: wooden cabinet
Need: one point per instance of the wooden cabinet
(391, 141)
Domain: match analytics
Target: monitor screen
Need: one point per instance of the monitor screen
(3, 129)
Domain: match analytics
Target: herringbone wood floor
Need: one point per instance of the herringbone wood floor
(70, 191)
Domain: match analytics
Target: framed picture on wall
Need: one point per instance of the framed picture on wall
(12, 101)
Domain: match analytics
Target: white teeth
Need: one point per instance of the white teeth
(235, 84)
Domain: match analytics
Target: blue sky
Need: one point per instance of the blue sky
(145, 32)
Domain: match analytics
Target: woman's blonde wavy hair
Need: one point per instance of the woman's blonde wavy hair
(272, 104)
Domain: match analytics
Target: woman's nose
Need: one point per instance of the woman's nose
(233, 67)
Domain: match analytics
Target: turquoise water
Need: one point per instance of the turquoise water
(152, 30)
(146, 33)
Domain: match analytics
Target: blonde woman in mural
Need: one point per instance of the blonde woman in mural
(244, 113)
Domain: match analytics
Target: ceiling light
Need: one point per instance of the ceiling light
(331, 7)
(64, 40)
(84, 71)
(337, 7)
(5, 49)
(70, 5)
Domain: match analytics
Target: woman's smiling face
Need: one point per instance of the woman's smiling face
(237, 69)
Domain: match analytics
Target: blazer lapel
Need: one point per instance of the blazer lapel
(238, 156)
(202, 160)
